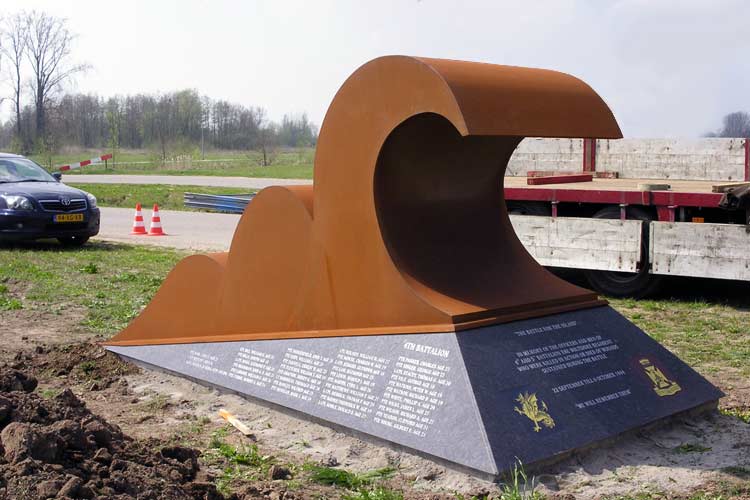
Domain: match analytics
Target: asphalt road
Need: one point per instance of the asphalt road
(184, 180)
(185, 230)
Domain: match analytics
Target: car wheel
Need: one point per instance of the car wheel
(73, 241)
(616, 284)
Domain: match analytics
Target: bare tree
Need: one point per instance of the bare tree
(267, 137)
(2, 41)
(114, 120)
(48, 47)
(162, 123)
(735, 124)
(13, 47)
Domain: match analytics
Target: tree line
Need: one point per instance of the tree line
(166, 122)
(735, 124)
(35, 59)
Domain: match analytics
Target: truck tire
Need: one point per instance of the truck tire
(616, 284)
(529, 208)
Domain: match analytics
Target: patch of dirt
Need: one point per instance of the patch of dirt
(704, 453)
(23, 329)
(737, 389)
(649, 461)
(79, 363)
(684, 456)
(286, 436)
(57, 448)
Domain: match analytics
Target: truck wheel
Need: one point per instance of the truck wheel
(617, 284)
(529, 208)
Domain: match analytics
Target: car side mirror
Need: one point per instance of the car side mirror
(57, 176)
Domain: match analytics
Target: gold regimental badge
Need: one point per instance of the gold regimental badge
(662, 385)
(530, 409)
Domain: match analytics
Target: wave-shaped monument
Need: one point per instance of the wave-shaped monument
(392, 298)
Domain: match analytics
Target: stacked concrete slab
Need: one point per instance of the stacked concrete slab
(694, 159)
(562, 155)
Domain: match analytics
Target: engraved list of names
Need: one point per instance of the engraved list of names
(415, 390)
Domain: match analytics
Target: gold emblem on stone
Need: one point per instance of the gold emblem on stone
(662, 385)
(530, 409)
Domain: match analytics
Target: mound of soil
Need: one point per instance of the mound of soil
(56, 448)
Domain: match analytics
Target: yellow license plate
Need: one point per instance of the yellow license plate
(69, 218)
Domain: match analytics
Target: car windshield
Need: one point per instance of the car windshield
(22, 169)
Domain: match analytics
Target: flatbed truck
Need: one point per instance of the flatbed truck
(627, 234)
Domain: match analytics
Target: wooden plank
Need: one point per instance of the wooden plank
(236, 422)
(607, 175)
(700, 250)
(723, 188)
(546, 173)
(603, 244)
(608, 184)
(559, 179)
(654, 187)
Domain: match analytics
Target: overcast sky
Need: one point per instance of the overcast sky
(667, 68)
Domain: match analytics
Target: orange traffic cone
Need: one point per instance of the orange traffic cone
(155, 229)
(138, 226)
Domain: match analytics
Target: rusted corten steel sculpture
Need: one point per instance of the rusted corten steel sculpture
(405, 229)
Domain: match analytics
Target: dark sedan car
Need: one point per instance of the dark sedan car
(35, 204)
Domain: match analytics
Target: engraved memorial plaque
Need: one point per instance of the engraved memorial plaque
(478, 398)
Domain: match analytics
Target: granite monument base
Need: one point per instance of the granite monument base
(530, 390)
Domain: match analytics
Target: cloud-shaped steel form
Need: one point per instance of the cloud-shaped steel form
(405, 229)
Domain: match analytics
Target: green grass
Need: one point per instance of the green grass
(226, 169)
(691, 448)
(48, 393)
(518, 486)
(8, 303)
(168, 197)
(636, 496)
(74, 156)
(343, 478)
(157, 403)
(239, 463)
(360, 486)
(191, 432)
(242, 455)
(718, 491)
(742, 414)
(87, 367)
(378, 493)
(709, 336)
(232, 475)
(55, 278)
(286, 164)
(114, 281)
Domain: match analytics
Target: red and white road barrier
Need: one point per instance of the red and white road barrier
(80, 164)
